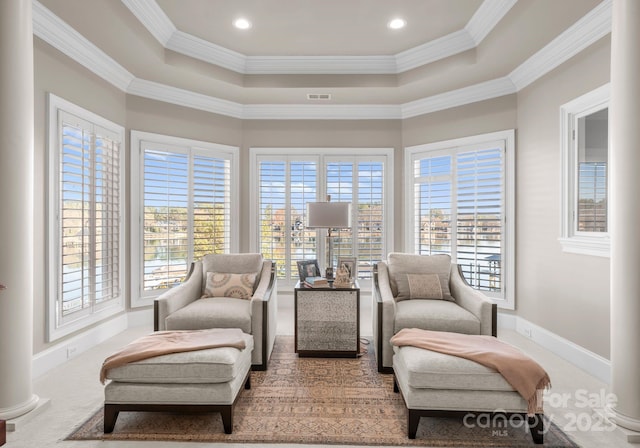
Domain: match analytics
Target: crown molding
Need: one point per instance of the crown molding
(153, 18)
(149, 13)
(198, 48)
(323, 65)
(437, 49)
(466, 95)
(50, 28)
(53, 30)
(487, 17)
(203, 50)
(592, 27)
(322, 112)
(186, 98)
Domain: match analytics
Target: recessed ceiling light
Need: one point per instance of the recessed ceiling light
(396, 24)
(242, 23)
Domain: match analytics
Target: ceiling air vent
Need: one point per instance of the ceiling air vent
(318, 96)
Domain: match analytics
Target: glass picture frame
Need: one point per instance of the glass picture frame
(308, 268)
(351, 263)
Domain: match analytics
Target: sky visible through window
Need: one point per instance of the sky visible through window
(459, 210)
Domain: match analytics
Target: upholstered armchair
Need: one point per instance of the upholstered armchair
(426, 292)
(211, 298)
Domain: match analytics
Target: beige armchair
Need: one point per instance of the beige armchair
(461, 309)
(185, 308)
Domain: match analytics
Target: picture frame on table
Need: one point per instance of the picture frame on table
(308, 268)
(351, 263)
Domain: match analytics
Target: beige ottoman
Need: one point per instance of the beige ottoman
(434, 384)
(198, 381)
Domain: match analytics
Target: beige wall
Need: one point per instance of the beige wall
(565, 293)
(321, 134)
(65, 78)
(492, 115)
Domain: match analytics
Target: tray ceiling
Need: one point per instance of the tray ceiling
(451, 52)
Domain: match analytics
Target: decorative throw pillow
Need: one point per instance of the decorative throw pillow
(419, 286)
(224, 284)
(401, 264)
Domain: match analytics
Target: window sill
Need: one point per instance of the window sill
(87, 320)
(597, 247)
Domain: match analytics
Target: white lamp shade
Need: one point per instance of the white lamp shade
(334, 215)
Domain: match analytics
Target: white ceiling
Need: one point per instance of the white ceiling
(451, 52)
(319, 27)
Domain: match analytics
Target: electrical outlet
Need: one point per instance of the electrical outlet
(71, 351)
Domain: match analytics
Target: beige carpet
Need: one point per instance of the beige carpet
(314, 400)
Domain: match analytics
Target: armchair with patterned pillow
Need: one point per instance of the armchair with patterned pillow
(426, 292)
(225, 291)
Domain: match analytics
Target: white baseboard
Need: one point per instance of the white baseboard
(54, 356)
(588, 361)
(70, 348)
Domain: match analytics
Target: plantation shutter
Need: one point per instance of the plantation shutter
(433, 204)
(89, 214)
(187, 211)
(362, 184)
(592, 197)
(480, 217)
(211, 205)
(341, 188)
(166, 195)
(303, 188)
(285, 187)
(460, 208)
(370, 217)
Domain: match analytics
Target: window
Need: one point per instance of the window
(362, 184)
(585, 153)
(86, 241)
(460, 199)
(182, 195)
(285, 180)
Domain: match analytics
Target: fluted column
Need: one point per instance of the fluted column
(624, 125)
(16, 208)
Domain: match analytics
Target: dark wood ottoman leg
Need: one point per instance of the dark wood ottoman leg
(412, 423)
(227, 418)
(111, 412)
(536, 426)
(396, 389)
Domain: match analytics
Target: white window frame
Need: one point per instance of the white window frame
(55, 328)
(571, 240)
(323, 156)
(507, 300)
(138, 297)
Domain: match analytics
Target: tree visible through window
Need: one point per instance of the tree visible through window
(286, 183)
(185, 195)
(460, 207)
(85, 198)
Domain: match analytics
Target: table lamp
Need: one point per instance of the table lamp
(329, 215)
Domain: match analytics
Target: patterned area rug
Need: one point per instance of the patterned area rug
(314, 401)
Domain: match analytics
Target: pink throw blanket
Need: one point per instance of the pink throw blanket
(166, 342)
(524, 374)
